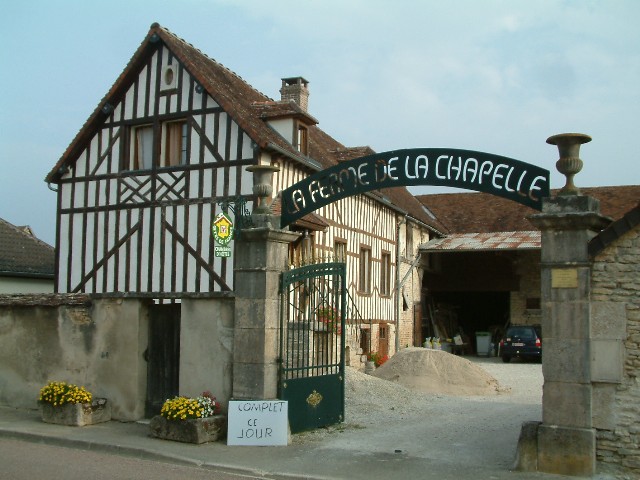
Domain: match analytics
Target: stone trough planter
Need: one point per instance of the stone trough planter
(194, 430)
(77, 414)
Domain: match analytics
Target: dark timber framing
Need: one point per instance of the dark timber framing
(147, 232)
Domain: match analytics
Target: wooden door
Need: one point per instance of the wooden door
(163, 356)
(383, 340)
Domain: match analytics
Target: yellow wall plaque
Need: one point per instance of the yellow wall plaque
(564, 278)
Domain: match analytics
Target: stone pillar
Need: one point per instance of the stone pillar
(261, 255)
(566, 440)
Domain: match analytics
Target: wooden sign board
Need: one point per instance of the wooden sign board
(258, 423)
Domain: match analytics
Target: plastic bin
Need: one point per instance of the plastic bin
(483, 343)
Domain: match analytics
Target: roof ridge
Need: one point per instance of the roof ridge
(25, 234)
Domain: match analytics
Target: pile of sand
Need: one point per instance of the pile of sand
(437, 372)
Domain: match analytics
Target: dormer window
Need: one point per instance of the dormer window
(303, 140)
(173, 146)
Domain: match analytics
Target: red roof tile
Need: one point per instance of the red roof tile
(483, 212)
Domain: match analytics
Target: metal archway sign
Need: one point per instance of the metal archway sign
(483, 172)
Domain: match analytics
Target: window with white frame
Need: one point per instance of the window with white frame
(303, 140)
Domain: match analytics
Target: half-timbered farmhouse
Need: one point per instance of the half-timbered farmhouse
(164, 150)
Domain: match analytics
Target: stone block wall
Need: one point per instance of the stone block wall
(616, 355)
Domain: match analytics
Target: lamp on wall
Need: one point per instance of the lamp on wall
(107, 108)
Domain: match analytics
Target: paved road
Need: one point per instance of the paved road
(26, 461)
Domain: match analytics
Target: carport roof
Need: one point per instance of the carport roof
(484, 242)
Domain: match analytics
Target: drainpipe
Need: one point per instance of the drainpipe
(397, 283)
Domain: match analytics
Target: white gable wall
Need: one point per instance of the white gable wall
(149, 231)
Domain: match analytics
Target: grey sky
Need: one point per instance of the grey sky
(493, 76)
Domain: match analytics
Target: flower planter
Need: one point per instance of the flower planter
(194, 430)
(77, 414)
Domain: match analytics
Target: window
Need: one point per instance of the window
(340, 251)
(383, 331)
(173, 146)
(385, 274)
(169, 78)
(142, 148)
(303, 141)
(365, 270)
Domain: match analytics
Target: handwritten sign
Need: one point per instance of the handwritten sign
(482, 172)
(258, 422)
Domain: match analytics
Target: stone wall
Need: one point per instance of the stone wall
(528, 270)
(616, 355)
(95, 343)
(101, 343)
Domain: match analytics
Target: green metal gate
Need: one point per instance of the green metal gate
(312, 344)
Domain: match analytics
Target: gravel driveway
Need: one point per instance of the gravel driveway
(383, 417)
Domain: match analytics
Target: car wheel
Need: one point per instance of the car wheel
(506, 358)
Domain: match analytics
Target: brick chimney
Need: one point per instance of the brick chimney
(295, 88)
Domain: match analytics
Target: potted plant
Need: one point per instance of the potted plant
(190, 420)
(65, 403)
(329, 319)
(376, 358)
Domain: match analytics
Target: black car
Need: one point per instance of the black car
(523, 341)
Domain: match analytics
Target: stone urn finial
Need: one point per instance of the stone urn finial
(569, 163)
(262, 185)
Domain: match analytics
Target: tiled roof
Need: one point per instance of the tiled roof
(310, 221)
(478, 242)
(247, 106)
(349, 153)
(22, 254)
(273, 109)
(483, 212)
(615, 230)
